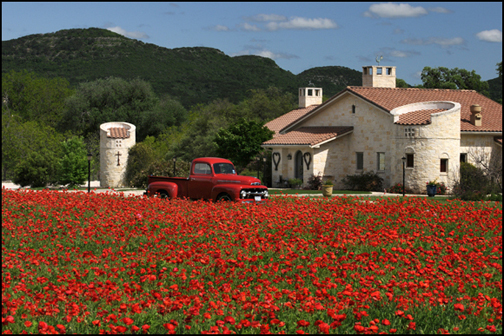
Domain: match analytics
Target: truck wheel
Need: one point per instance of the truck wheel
(224, 198)
(163, 194)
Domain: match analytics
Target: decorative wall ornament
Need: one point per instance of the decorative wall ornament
(307, 159)
(276, 159)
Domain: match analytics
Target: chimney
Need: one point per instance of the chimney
(379, 76)
(476, 115)
(309, 96)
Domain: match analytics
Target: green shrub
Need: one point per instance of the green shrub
(73, 166)
(295, 183)
(36, 170)
(472, 184)
(369, 181)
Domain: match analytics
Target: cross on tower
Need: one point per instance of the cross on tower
(118, 154)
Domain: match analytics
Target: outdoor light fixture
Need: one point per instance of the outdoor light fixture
(89, 157)
(403, 174)
(174, 160)
(289, 156)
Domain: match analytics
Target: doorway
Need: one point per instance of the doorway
(298, 167)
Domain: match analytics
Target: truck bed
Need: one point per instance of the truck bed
(182, 183)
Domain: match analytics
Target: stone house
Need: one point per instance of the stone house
(376, 127)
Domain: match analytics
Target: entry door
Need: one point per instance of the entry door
(298, 173)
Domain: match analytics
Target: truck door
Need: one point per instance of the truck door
(200, 182)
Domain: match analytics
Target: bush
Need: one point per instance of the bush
(36, 170)
(369, 181)
(398, 189)
(315, 182)
(295, 183)
(472, 184)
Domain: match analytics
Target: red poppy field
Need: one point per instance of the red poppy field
(106, 263)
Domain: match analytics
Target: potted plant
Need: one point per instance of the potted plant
(432, 188)
(327, 188)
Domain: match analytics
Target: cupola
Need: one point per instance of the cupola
(309, 96)
(379, 76)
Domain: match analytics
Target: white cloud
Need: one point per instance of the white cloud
(248, 27)
(441, 10)
(303, 23)
(494, 35)
(391, 10)
(268, 17)
(390, 52)
(445, 42)
(135, 35)
(220, 28)
(264, 53)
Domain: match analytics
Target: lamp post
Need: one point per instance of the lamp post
(89, 157)
(258, 158)
(174, 161)
(403, 174)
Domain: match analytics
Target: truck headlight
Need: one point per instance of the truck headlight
(243, 193)
(266, 194)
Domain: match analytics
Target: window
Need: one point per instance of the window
(310, 92)
(410, 160)
(360, 160)
(353, 109)
(389, 71)
(410, 132)
(443, 165)
(378, 71)
(463, 157)
(381, 161)
(202, 168)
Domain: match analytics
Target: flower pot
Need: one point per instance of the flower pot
(327, 190)
(431, 190)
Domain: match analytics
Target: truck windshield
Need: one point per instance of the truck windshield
(224, 168)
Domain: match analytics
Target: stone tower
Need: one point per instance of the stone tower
(379, 76)
(116, 138)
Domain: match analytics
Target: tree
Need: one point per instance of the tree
(241, 141)
(72, 167)
(105, 100)
(34, 98)
(19, 139)
(168, 112)
(461, 79)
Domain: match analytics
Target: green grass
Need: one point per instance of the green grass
(318, 192)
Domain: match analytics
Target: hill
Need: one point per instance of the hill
(191, 75)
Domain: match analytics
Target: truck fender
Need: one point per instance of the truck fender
(232, 190)
(170, 187)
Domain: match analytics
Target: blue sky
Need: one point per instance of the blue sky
(296, 35)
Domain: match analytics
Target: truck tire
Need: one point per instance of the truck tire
(164, 195)
(224, 197)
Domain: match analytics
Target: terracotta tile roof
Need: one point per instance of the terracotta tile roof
(420, 117)
(309, 135)
(390, 98)
(279, 123)
(117, 133)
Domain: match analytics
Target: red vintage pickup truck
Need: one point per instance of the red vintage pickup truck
(210, 179)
